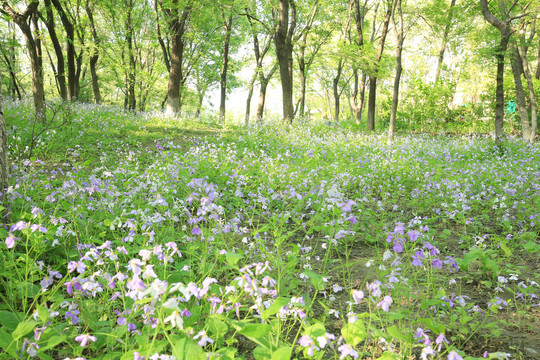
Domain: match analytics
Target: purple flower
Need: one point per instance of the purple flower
(385, 303)
(437, 264)
(357, 295)
(19, 226)
(398, 246)
(453, 355)
(400, 228)
(347, 350)
(196, 231)
(10, 240)
(84, 339)
(413, 235)
(204, 339)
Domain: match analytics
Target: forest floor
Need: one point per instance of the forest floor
(134, 235)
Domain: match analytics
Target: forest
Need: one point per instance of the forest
(269, 179)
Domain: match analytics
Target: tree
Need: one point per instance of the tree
(376, 63)
(444, 41)
(227, 22)
(505, 28)
(178, 20)
(400, 37)
(284, 50)
(36, 65)
(94, 52)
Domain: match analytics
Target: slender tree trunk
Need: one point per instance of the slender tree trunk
(249, 97)
(499, 92)
(131, 75)
(227, 27)
(3, 162)
(264, 80)
(284, 48)
(445, 40)
(520, 93)
(94, 54)
(532, 96)
(14, 86)
(60, 74)
(537, 75)
(400, 37)
(373, 77)
(70, 48)
(38, 92)
(335, 86)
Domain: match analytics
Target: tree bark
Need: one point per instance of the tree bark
(177, 25)
(70, 48)
(15, 87)
(131, 98)
(60, 74)
(21, 19)
(520, 92)
(284, 49)
(532, 95)
(94, 54)
(445, 40)
(370, 126)
(537, 75)
(227, 27)
(337, 94)
(400, 37)
(264, 80)
(249, 97)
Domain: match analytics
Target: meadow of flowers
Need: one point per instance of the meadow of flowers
(134, 236)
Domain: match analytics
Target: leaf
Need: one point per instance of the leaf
(387, 355)
(233, 258)
(316, 279)
(436, 328)
(256, 330)
(53, 341)
(8, 320)
(275, 307)
(354, 333)
(183, 348)
(282, 353)
(43, 313)
(227, 353)
(395, 333)
(531, 247)
(261, 353)
(5, 342)
(24, 328)
(217, 327)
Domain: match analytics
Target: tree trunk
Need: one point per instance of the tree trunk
(227, 27)
(499, 92)
(284, 48)
(532, 96)
(177, 26)
(14, 86)
(335, 86)
(70, 49)
(3, 162)
(445, 40)
(520, 93)
(400, 37)
(264, 80)
(60, 74)
(370, 126)
(537, 75)
(38, 92)
(131, 76)
(249, 97)
(94, 54)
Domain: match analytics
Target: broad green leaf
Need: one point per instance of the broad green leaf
(53, 341)
(387, 355)
(395, 333)
(283, 353)
(8, 320)
(43, 313)
(233, 258)
(275, 307)
(354, 333)
(183, 348)
(316, 279)
(24, 328)
(262, 353)
(256, 330)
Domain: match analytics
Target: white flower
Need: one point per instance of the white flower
(175, 319)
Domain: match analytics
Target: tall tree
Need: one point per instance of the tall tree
(227, 22)
(444, 41)
(36, 65)
(370, 126)
(94, 52)
(284, 51)
(178, 20)
(400, 37)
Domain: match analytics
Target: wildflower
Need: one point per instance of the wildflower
(204, 339)
(385, 303)
(336, 288)
(453, 355)
(175, 319)
(427, 351)
(307, 341)
(347, 350)
(437, 264)
(324, 339)
(357, 295)
(439, 341)
(84, 339)
(196, 231)
(10, 240)
(30, 347)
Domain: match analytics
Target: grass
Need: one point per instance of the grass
(142, 236)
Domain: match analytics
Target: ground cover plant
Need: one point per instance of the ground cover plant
(139, 236)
